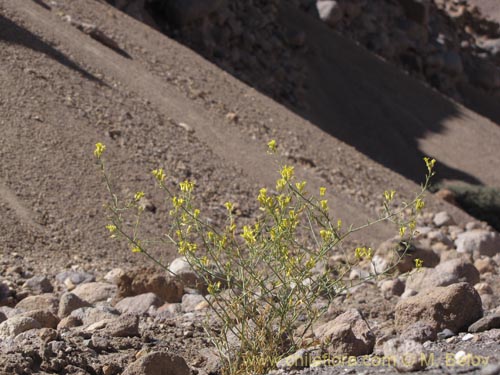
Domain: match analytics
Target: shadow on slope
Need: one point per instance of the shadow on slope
(12, 33)
(368, 104)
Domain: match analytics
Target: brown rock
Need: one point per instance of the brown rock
(46, 318)
(440, 308)
(46, 301)
(348, 334)
(158, 363)
(95, 292)
(142, 281)
(450, 272)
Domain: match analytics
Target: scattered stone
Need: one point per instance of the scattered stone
(348, 334)
(38, 285)
(394, 249)
(441, 307)
(394, 287)
(491, 369)
(188, 277)
(299, 359)
(16, 325)
(69, 322)
(69, 302)
(420, 332)
(445, 334)
(47, 301)
(158, 363)
(46, 318)
(90, 315)
(73, 278)
(467, 337)
(114, 275)
(95, 292)
(446, 273)
(485, 264)
(138, 304)
(191, 301)
(484, 324)
(126, 325)
(443, 218)
(483, 288)
(478, 242)
(329, 12)
(141, 281)
(407, 354)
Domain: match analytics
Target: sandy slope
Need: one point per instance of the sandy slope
(62, 91)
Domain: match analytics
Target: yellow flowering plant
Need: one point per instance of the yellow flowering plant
(262, 278)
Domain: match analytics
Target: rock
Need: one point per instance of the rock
(485, 265)
(38, 285)
(90, 315)
(478, 242)
(416, 10)
(445, 334)
(483, 288)
(45, 301)
(188, 277)
(169, 309)
(329, 12)
(7, 294)
(443, 218)
(95, 292)
(3, 317)
(441, 307)
(126, 325)
(69, 322)
(394, 287)
(73, 278)
(16, 325)
(419, 332)
(453, 63)
(296, 360)
(392, 250)
(142, 281)
(115, 275)
(491, 369)
(484, 324)
(191, 301)
(69, 302)
(158, 363)
(138, 304)
(450, 272)
(46, 318)
(348, 334)
(408, 355)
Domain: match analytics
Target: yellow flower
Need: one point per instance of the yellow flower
(111, 227)
(363, 252)
(229, 206)
(419, 204)
(418, 263)
(402, 230)
(138, 196)
(177, 202)
(280, 184)
(99, 149)
(262, 198)
(324, 205)
(187, 186)
(429, 163)
(300, 186)
(248, 235)
(159, 174)
(326, 235)
(196, 213)
(322, 191)
(389, 195)
(271, 146)
(287, 173)
(136, 249)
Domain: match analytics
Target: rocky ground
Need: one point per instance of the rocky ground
(74, 301)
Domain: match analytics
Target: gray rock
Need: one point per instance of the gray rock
(138, 304)
(441, 307)
(38, 285)
(45, 301)
(95, 292)
(484, 324)
(191, 301)
(394, 287)
(407, 354)
(329, 12)
(348, 334)
(419, 332)
(491, 369)
(188, 277)
(16, 325)
(446, 273)
(478, 242)
(74, 278)
(46, 318)
(443, 218)
(296, 360)
(126, 325)
(158, 363)
(90, 315)
(70, 302)
(445, 334)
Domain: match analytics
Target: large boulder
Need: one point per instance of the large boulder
(440, 308)
(478, 242)
(348, 334)
(450, 272)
